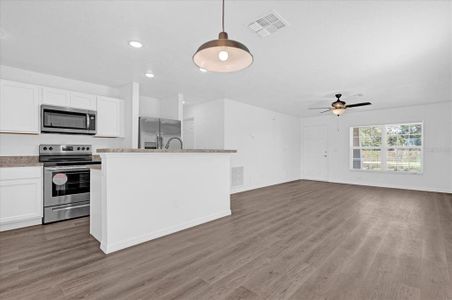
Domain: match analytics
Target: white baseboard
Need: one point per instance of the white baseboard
(390, 186)
(20, 224)
(255, 187)
(109, 248)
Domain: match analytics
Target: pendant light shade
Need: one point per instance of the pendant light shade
(223, 54)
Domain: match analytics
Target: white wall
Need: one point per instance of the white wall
(268, 144)
(131, 95)
(208, 124)
(162, 108)
(149, 107)
(437, 118)
(169, 109)
(25, 144)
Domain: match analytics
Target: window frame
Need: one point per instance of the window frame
(384, 149)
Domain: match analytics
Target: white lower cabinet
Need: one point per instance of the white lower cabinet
(20, 197)
(109, 117)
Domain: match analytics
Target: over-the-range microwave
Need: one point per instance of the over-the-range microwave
(56, 119)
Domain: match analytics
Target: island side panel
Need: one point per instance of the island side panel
(95, 215)
(151, 195)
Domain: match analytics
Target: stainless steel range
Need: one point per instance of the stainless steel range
(66, 181)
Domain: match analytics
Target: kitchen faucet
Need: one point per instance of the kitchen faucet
(174, 138)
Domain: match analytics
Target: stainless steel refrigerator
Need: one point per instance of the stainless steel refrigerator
(154, 133)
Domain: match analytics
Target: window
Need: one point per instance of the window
(395, 147)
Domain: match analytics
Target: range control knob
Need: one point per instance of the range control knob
(87, 148)
(50, 148)
(78, 148)
(83, 148)
(45, 148)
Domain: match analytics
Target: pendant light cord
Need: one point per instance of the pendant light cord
(222, 17)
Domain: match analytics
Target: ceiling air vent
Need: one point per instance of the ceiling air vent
(268, 24)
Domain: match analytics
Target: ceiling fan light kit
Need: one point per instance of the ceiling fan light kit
(338, 107)
(223, 55)
(338, 111)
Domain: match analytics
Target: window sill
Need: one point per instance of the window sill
(387, 172)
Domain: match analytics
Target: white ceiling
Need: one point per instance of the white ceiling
(394, 53)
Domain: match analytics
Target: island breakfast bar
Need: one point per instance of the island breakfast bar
(138, 195)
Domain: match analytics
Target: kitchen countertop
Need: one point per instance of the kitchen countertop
(19, 161)
(135, 150)
(95, 167)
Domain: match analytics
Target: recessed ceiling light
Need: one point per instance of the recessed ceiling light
(135, 44)
(202, 70)
(183, 102)
(149, 75)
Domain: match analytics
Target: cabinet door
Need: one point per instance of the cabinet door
(82, 101)
(55, 97)
(19, 107)
(20, 197)
(108, 117)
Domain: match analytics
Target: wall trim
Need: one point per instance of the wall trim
(387, 186)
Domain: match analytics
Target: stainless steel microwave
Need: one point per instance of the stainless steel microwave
(56, 119)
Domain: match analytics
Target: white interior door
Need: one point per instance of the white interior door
(315, 153)
(189, 134)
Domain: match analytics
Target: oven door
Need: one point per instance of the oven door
(66, 184)
(56, 119)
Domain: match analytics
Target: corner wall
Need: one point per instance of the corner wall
(268, 145)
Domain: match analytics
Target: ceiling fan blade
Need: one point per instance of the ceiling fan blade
(358, 104)
(319, 108)
(325, 111)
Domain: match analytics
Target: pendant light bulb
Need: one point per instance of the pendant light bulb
(223, 55)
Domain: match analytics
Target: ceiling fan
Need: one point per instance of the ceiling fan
(338, 107)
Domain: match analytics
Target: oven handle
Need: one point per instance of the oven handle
(69, 207)
(66, 168)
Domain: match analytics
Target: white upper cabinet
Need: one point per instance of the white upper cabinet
(19, 107)
(58, 97)
(109, 117)
(55, 97)
(82, 101)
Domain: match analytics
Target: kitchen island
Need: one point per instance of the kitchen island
(138, 195)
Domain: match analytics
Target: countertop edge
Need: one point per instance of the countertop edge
(16, 161)
(134, 150)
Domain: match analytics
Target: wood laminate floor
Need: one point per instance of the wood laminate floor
(299, 240)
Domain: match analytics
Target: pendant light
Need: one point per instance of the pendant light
(223, 54)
